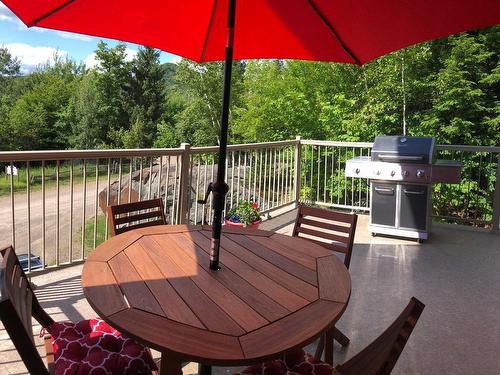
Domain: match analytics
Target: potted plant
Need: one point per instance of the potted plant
(245, 214)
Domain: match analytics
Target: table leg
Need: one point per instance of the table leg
(170, 365)
(329, 346)
(204, 369)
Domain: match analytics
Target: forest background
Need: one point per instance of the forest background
(447, 88)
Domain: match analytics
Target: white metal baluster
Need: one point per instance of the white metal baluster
(175, 200)
(43, 214)
(167, 180)
(261, 194)
(325, 171)
(150, 176)
(317, 171)
(311, 171)
(232, 180)
(96, 200)
(332, 179)
(238, 183)
(28, 216)
(57, 214)
(204, 188)
(12, 204)
(278, 178)
(71, 188)
(256, 155)
(141, 171)
(119, 193)
(197, 191)
(274, 173)
(250, 168)
(345, 181)
(84, 197)
(130, 165)
(107, 199)
(160, 170)
(338, 175)
(264, 182)
(287, 175)
(352, 181)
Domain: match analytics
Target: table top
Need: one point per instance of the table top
(273, 292)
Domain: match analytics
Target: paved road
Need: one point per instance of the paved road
(36, 214)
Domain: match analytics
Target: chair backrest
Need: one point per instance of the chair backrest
(128, 216)
(18, 304)
(331, 229)
(380, 357)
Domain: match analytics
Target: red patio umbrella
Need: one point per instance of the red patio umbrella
(348, 31)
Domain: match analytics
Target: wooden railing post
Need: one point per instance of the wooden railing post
(297, 172)
(184, 184)
(496, 201)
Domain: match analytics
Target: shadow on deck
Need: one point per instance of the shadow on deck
(455, 273)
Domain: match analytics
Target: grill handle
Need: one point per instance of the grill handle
(412, 192)
(400, 157)
(388, 191)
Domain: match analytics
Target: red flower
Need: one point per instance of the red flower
(255, 205)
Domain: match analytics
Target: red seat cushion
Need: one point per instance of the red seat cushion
(92, 347)
(296, 362)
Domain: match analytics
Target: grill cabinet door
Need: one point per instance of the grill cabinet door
(383, 208)
(413, 213)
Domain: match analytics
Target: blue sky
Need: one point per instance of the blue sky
(37, 46)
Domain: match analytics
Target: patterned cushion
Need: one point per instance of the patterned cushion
(296, 362)
(92, 347)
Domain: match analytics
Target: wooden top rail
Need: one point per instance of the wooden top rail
(11, 156)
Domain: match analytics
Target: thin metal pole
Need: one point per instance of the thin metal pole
(220, 188)
(12, 204)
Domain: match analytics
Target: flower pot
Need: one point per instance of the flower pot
(254, 225)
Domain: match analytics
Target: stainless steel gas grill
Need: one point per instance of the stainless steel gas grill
(402, 171)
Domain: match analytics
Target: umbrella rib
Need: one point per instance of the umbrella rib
(334, 32)
(49, 13)
(209, 28)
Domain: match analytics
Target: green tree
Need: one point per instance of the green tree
(113, 88)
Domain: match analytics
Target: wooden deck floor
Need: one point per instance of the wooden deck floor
(455, 273)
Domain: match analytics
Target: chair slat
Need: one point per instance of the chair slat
(137, 226)
(324, 235)
(321, 224)
(137, 217)
(326, 214)
(132, 213)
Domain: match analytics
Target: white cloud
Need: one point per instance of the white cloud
(6, 14)
(33, 56)
(66, 35)
(175, 60)
(91, 61)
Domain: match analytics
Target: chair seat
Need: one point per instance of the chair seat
(94, 347)
(296, 362)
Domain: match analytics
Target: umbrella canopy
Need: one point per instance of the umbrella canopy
(348, 31)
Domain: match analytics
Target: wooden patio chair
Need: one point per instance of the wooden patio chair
(378, 358)
(335, 231)
(18, 304)
(128, 216)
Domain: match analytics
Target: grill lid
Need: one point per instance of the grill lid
(397, 149)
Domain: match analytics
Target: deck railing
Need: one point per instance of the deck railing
(52, 203)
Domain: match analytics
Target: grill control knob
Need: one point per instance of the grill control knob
(420, 173)
(393, 173)
(357, 171)
(377, 173)
(405, 173)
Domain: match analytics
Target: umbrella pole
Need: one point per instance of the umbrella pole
(220, 188)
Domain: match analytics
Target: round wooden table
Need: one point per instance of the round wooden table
(272, 293)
